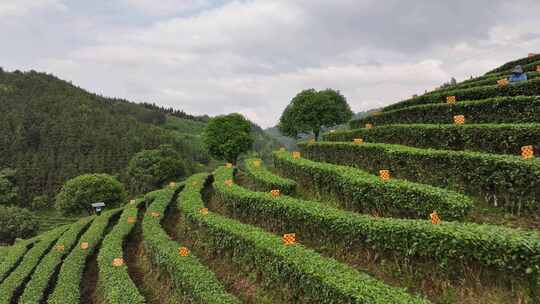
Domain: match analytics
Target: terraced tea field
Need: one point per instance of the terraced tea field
(405, 207)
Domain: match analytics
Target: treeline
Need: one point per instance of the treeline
(51, 131)
(174, 112)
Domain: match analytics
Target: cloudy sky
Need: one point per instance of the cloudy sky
(215, 57)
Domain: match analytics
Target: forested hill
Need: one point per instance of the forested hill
(51, 131)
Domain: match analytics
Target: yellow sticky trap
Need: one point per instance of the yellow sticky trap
(296, 154)
(194, 183)
(289, 238)
(154, 214)
(131, 202)
(459, 119)
(282, 149)
(527, 152)
(332, 131)
(203, 211)
(257, 163)
(435, 219)
(384, 174)
(172, 185)
(311, 140)
(275, 193)
(117, 262)
(369, 126)
(358, 141)
(84, 245)
(450, 99)
(503, 82)
(183, 251)
(376, 113)
(228, 165)
(60, 248)
(131, 219)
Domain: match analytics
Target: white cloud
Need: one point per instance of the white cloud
(19, 8)
(254, 56)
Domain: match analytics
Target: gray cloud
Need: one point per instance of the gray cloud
(213, 57)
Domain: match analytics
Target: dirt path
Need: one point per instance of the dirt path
(152, 283)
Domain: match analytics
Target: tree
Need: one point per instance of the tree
(8, 190)
(228, 136)
(311, 110)
(149, 169)
(16, 223)
(80, 192)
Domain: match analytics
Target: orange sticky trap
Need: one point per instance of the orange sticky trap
(84, 245)
(131, 219)
(228, 165)
(296, 154)
(450, 99)
(435, 219)
(289, 238)
(204, 211)
(117, 262)
(60, 248)
(384, 174)
(172, 185)
(358, 141)
(229, 182)
(183, 251)
(538, 68)
(527, 152)
(503, 82)
(275, 192)
(369, 126)
(459, 119)
(257, 163)
(154, 214)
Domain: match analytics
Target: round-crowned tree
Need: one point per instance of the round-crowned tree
(80, 192)
(228, 136)
(16, 223)
(311, 110)
(149, 169)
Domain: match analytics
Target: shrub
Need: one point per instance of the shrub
(14, 256)
(447, 244)
(68, 282)
(187, 273)
(36, 288)
(40, 202)
(361, 191)
(115, 282)
(8, 190)
(266, 180)
(500, 179)
(494, 110)
(526, 88)
(528, 64)
(483, 81)
(150, 169)
(16, 279)
(300, 270)
(80, 192)
(16, 223)
(488, 138)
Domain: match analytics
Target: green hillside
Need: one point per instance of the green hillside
(413, 209)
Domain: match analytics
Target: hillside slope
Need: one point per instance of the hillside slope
(51, 131)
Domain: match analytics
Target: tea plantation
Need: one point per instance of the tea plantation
(434, 199)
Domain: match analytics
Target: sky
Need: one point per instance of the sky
(253, 57)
